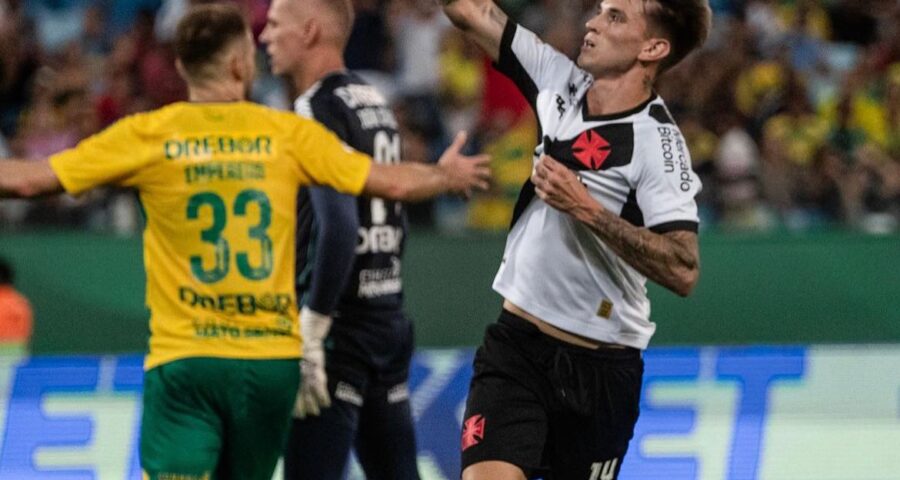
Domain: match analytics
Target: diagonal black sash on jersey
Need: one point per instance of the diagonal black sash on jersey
(526, 195)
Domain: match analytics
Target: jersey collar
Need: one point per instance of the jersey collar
(613, 116)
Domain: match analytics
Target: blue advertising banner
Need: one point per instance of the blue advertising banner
(790, 413)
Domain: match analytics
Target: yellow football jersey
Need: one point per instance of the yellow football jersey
(218, 185)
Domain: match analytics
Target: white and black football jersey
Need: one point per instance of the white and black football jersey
(635, 163)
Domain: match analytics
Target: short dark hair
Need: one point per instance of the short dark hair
(685, 23)
(205, 32)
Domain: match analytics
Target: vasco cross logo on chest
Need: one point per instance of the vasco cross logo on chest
(598, 148)
(591, 149)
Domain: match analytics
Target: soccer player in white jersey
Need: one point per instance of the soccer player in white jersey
(610, 204)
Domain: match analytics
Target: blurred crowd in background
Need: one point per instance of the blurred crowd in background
(791, 110)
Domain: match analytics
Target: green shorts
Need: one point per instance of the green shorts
(216, 418)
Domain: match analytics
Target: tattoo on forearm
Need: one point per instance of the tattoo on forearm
(661, 258)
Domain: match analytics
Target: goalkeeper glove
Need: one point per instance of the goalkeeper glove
(313, 394)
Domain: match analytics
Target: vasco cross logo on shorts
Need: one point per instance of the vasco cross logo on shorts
(591, 149)
(473, 431)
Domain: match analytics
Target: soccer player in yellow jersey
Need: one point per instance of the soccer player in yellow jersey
(218, 180)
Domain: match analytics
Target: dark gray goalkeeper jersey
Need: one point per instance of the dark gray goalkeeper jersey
(635, 163)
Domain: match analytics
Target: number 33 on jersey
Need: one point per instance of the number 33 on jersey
(218, 186)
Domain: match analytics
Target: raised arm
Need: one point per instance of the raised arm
(412, 182)
(27, 178)
(481, 20)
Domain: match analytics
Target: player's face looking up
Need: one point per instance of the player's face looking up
(619, 37)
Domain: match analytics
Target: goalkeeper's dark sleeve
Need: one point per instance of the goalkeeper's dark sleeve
(337, 222)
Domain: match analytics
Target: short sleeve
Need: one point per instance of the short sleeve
(325, 160)
(530, 63)
(666, 184)
(325, 110)
(113, 156)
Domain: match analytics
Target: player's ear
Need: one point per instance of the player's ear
(236, 67)
(179, 67)
(654, 50)
(311, 32)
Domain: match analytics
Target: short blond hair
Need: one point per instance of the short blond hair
(342, 12)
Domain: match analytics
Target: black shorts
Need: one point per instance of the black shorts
(553, 409)
(370, 351)
(367, 360)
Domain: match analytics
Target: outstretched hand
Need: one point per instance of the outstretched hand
(465, 173)
(560, 187)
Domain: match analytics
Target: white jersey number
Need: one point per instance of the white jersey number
(604, 471)
(387, 152)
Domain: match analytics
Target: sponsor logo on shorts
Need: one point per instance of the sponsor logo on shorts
(473, 431)
(346, 392)
(398, 393)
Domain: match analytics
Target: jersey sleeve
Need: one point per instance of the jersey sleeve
(325, 110)
(336, 215)
(337, 223)
(113, 156)
(530, 63)
(325, 160)
(666, 184)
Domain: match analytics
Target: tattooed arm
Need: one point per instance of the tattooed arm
(481, 20)
(670, 259)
